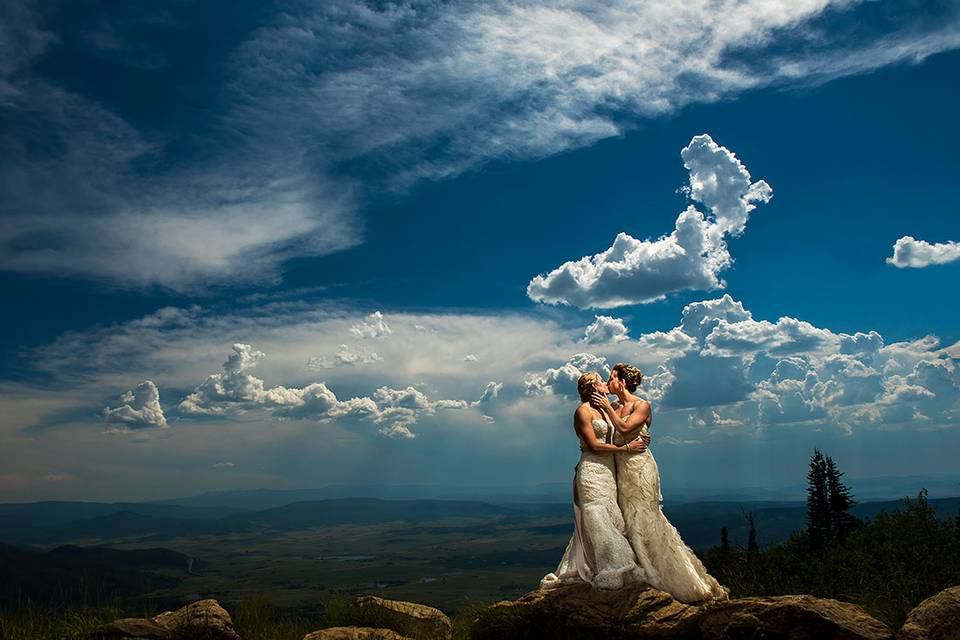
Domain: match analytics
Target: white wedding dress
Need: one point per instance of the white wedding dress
(598, 551)
(668, 564)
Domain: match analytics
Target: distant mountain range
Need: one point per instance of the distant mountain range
(50, 523)
(864, 489)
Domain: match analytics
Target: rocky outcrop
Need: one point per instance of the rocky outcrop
(790, 618)
(414, 620)
(936, 618)
(203, 619)
(354, 633)
(644, 612)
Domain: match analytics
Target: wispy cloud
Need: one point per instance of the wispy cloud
(323, 92)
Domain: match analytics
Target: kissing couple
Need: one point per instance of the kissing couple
(620, 533)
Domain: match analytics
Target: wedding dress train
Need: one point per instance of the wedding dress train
(668, 564)
(598, 552)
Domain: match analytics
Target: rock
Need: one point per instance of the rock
(579, 611)
(414, 620)
(354, 633)
(200, 620)
(130, 628)
(798, 617)
(936, 618)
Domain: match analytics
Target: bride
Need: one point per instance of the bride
(598, 551)
(663, 560)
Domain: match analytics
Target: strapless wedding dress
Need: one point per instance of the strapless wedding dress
(668, 564)
(598, 551)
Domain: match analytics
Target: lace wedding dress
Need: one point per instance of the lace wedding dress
(668, 564)
(598, 552)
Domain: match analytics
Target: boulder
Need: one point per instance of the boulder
(936, 618)
(143, 628)
(200, 620)
(640, 611)
(578, 610)
(800, 617)
(413, 620)
(201, 617)
(354, 633)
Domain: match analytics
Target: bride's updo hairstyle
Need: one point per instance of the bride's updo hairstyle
(585, 384)
(629, 375)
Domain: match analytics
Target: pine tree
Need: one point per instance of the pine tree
(752, 546)
(840, 500)
(725, 538)
(956, 531)
(819, 522)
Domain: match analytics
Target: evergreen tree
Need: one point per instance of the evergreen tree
(840, 501)
(956, 530)
(752, 546)
(725, 538)
(819, 522)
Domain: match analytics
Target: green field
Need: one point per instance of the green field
(448, 563)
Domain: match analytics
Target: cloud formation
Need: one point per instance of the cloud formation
(235, 390)
(374, 327)
(562, 380)
(691, 258)
(138, 408)
(262, 173)
(909, 252)
(735, 371)
(346, 356)
(605, 329)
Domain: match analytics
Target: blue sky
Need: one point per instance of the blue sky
(359, 196)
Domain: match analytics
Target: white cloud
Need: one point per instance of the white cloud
(757, 373)
(235, 390)
(490, 393)
(908, 252)
(345, 356)
(222, 465)
(138, 408)
(562, 380)
(406, 90)
(691, 258)
(605, 329)
(774, 402)
(470, 358)
(374, 327)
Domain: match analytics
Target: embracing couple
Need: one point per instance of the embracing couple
(620, 533)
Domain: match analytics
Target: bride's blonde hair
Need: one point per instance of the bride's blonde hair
(585, 384)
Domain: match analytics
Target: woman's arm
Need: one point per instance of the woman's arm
(634, 421)
(584, 428)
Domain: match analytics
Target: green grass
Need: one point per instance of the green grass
(31, 622)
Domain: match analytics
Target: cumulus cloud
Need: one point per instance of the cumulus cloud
(470, 358)
(605, 329)
(690, 258)
(235, 390)
(138, 408)
(374, 327)
(346, 356)
(490, 393)
(909, 252)
(562, 380)
(742, 371)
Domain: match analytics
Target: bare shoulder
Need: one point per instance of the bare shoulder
(641, 405)
(583, 410)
